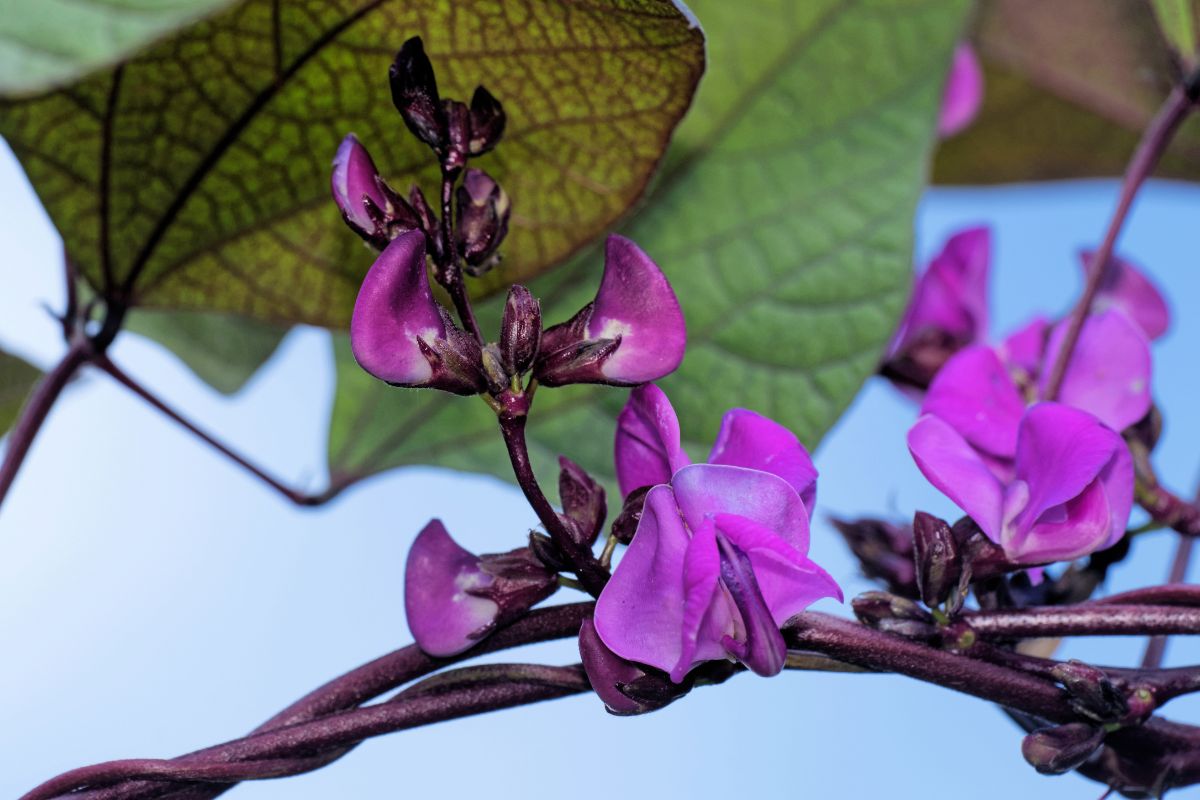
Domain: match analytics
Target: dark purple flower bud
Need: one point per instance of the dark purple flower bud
(399, 334)
(547, 552)
(937, 559)
(427, 220)
(884, 551)
(632, 333)
(494, 371)
(453, 598)
(899, 615)
(487, 122)
(583, 501)
(353, 182)
(1090, 692)
(626, 523)
(1058, 750)
(625, 687)
(458, 134)
(415, 93)
(483, 210)
(520, 330)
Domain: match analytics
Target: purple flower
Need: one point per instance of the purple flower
(453, 598)
(633, 332)
(1108, 375)
(948, 310)
(399, 334)
(719, 560)
(355, 183)
(963, 93)
(1126, 287)
(950, 297)
(1069, 493)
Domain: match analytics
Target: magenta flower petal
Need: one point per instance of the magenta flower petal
(1127, 287)
(444, 616)
(636, 303)
(790, 582)
(963, 93)
(647, 444)
(755, 639)
(1109, 371)
(950, 297)
(750, 440)
(1061, 450)
(976, 396)
(354, 175)
(706, 614)
(705, 490)
(1077, 527)
(1024, 349)
(395, 308)
(639, 615)
(949, 462)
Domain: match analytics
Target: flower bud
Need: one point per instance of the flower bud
(938, 562)
(625, 687)
(1058, 750)
(458, 134)
(582, 501)
(427, 219)
(368, 204)
(399, 334)
(487, 122)
(893, 614)
(415, 93)
(633, 332)
(483, 210)
(547, 552)
(884, 551)
(1090, 692)
(453, 598)
(520, 330)
(626, 523)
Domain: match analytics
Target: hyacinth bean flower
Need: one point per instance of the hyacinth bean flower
(963, 93)
(948, 310)
(355, 183)
(453, 598)
(1069, 494)
(631, 333)
(1126, 287)
(719, 558)
(1108, 376)
(400, 334)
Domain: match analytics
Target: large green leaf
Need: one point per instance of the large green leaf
(49, 43)
(1069, 87)
(16, 379)
(784, 221)
(198, 172)
(222, 350)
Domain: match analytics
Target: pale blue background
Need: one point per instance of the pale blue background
(154, 600)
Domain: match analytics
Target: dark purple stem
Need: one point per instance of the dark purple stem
(121, 377)
(1149, 150)
(1173, 594)
(587, 567)
(1156, 648)
(1093, 619)
(37, 407)
(362, 684)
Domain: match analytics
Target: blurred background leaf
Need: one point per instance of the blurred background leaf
(1069, 87)
(48, 43)
(195, 176)
(222, 350)
(16, 379)
(783, 218)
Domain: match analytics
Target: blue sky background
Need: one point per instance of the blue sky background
(153, 599)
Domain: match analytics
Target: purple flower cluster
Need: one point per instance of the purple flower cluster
(1048, 479)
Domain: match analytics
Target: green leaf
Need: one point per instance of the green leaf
(45, 44)
(222, 350)
(1069, 87)
(16, 380)
(1177, 21)
(784, 221)
(197, 174)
